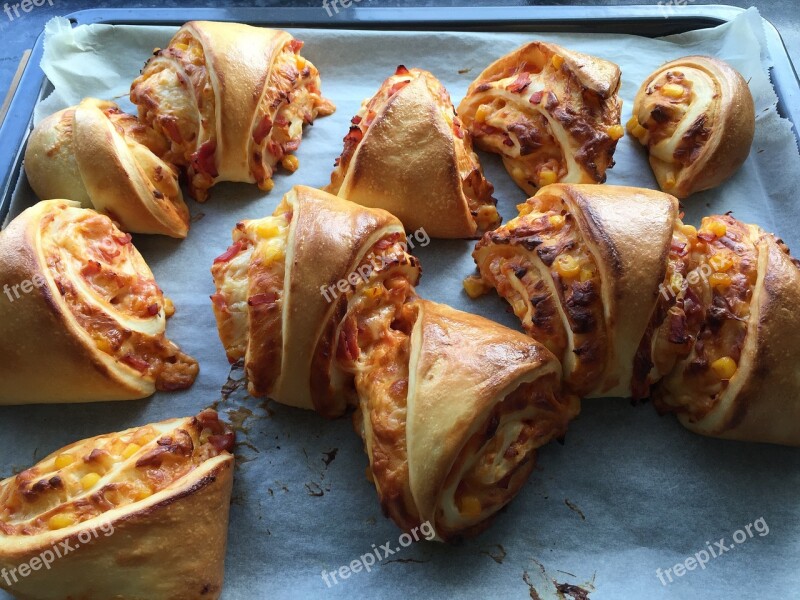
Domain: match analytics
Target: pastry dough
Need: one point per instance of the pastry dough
(132, 515)
(552, 114)
(79, 301)
(107, 160)
(232, 100)
(406, 152)
(696, 118)
(451, 407)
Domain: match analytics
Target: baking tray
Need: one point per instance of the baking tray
(475, 568)
(649, 21)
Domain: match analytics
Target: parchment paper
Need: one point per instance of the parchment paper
(629, 492)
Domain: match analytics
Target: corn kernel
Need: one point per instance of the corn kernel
(64, 460)
(169, 307)
(470, 506)
(301, 62)
(142, 492)
(639, 132)
(547, 177)
(267, 229)
(557, 61)
(720, 280)
(519, 307)
(567, 266)
(715, 228)
(721, 262)
(689, 231)
(272, 252)
(482, 112)
(557, 221)
(475, 286)
(632, 123)
(61, 521)
(724, 367)
(524, 209)
(89, 480)
(615, 132)
(290, 163)
(130, 450)
(673, 90)
(266, 185)
(586, 274)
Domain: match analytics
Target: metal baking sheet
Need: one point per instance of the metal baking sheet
(629, 493)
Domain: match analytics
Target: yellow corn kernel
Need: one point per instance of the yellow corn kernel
(557, 221)
(475, 286)
(720, 280)
(519, 307)
(690, 231)
(89, 480)
(724, 367)
(715, 228)
(524, 209)
(586, 274)
(290, 163)
(272, 253)
(102, 343)
(181, 47)
(557, 61)
(266, 185)
(169, 307)
(721, 262)
(301, 62)
(639, 132)
(64, 460)
(567, 266)
(482, 113)
(632, 123)
(142, 492)
(130, 450)
(547, 177)
(470, 506)
(61, 521)
(673, 90)
(615, 132)
(267, 229)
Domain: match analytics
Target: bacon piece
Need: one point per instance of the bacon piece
(263, 129)
(401, 70)
(520, 84)
(295, 46)
(91, 268)
(203, 160)
(230, 253)
(261, 299)
(135, 362)
(398, 86)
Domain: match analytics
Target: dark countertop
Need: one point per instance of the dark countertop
(19, 33)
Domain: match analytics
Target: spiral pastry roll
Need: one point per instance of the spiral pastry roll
(79, 301)
(696, 118)
(107, 160)
(284, 284)
(552, 114)
(138, 514)
(451, 406)
(406, 152)
(232, 101)
(738, 379)
(581, 267)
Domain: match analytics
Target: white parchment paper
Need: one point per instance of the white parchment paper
(628, 494)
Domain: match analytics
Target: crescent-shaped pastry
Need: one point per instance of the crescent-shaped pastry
(282, 285)
(80, 303)
(132, 515)
(696, 118)
(552, 114)
(451, 406)
(739, 299)
(232, 101)
(406, 152)
(107, 160)
(581, 267)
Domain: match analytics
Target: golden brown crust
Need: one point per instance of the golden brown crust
(170, 546)
(407, 163)
(36, 321)
(552, 113)
(717, 140)
(80, 152)
(762, 401)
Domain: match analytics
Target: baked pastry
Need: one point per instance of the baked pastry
(138, 514)
(232, 101)
(738, 303)
(581, 266)
(79, 301)
(552, 114)
(452, 410)
(282, 286)
(637, 303)
(107, 160)
(451, 407)
(406, 152)
(696, 118)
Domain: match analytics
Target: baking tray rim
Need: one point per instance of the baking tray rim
(17, 124)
